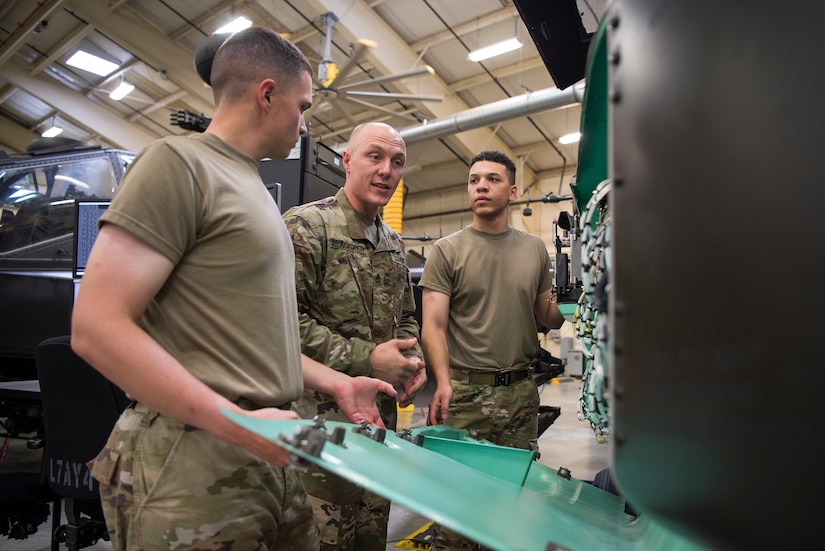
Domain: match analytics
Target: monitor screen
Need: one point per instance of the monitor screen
(87, 214)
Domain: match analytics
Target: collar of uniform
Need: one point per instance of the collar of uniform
(223, 146)
(491, 236)
(357, 223)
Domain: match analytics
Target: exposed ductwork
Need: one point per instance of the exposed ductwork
(485, 115)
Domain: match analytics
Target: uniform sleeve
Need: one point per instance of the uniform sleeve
(436, 275)
(546, 281)
(319, 342)
(157, 201)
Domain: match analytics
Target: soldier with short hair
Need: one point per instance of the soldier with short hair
(483, 288)
(188, 305)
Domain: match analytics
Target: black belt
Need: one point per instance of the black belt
(501, 378)
(243, 403)
(248, 405)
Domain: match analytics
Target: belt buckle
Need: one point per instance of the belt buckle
(502, 379)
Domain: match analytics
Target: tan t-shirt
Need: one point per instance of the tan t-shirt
(492, 281)
(228, 311)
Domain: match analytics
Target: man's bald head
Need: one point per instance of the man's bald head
(374, 162)
(367, 130)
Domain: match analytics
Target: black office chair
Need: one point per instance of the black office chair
(24, 496)
(80, 407)
(24, 504)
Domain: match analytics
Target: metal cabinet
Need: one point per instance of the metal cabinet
(311, 172)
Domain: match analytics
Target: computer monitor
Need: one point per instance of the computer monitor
(86, 216)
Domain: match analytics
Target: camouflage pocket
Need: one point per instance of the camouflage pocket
(104, 467)
(341, 294)
(334, 503)
(156, 460)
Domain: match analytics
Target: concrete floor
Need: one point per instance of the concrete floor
(566, 443)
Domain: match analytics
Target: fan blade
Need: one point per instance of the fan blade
(344, 131)
(375, 107)
(360, 47)
(389, 78)
(390, 95)
(314, 107)
(344, 111)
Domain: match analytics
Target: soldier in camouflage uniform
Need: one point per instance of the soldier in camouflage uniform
(180, 308)
(356, 315)
(482, 287)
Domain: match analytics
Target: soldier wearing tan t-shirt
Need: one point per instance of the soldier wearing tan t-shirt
(188, 305)
(482, 287)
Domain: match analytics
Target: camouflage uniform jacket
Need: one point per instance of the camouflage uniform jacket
(352, 295)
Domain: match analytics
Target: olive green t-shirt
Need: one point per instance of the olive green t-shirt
(228, 311)
(492, 281)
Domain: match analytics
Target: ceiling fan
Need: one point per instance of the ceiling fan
(331, 90)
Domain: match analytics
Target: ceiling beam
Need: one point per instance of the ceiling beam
(6, 92)
(504, 72)
(116, 5)
(157, 104)
(261, 16)
(6, 7)
(68, 42)
(13, 137)
(358, 21)
(304, 33)
(19, 34)
(527, 149)
(113, 128)
(361, 117)
(151, 46)
(464, 29)
(206, 17)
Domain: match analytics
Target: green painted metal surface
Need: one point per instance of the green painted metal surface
(568, 310)
(545, 512)
(508, 464)
(592, 169)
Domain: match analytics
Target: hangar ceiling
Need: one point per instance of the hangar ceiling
(153, 43)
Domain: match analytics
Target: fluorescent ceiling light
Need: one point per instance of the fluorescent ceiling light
(238, 24)
(52, 132)
(570, 138)
(495, 49)
(92, 63)
(123, 90)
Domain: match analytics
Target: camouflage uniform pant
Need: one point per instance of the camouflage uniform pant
(504, 415)
(349, 517)
(166, 485)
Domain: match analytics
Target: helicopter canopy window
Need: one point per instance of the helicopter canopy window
(125, 159)
(37, 200)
